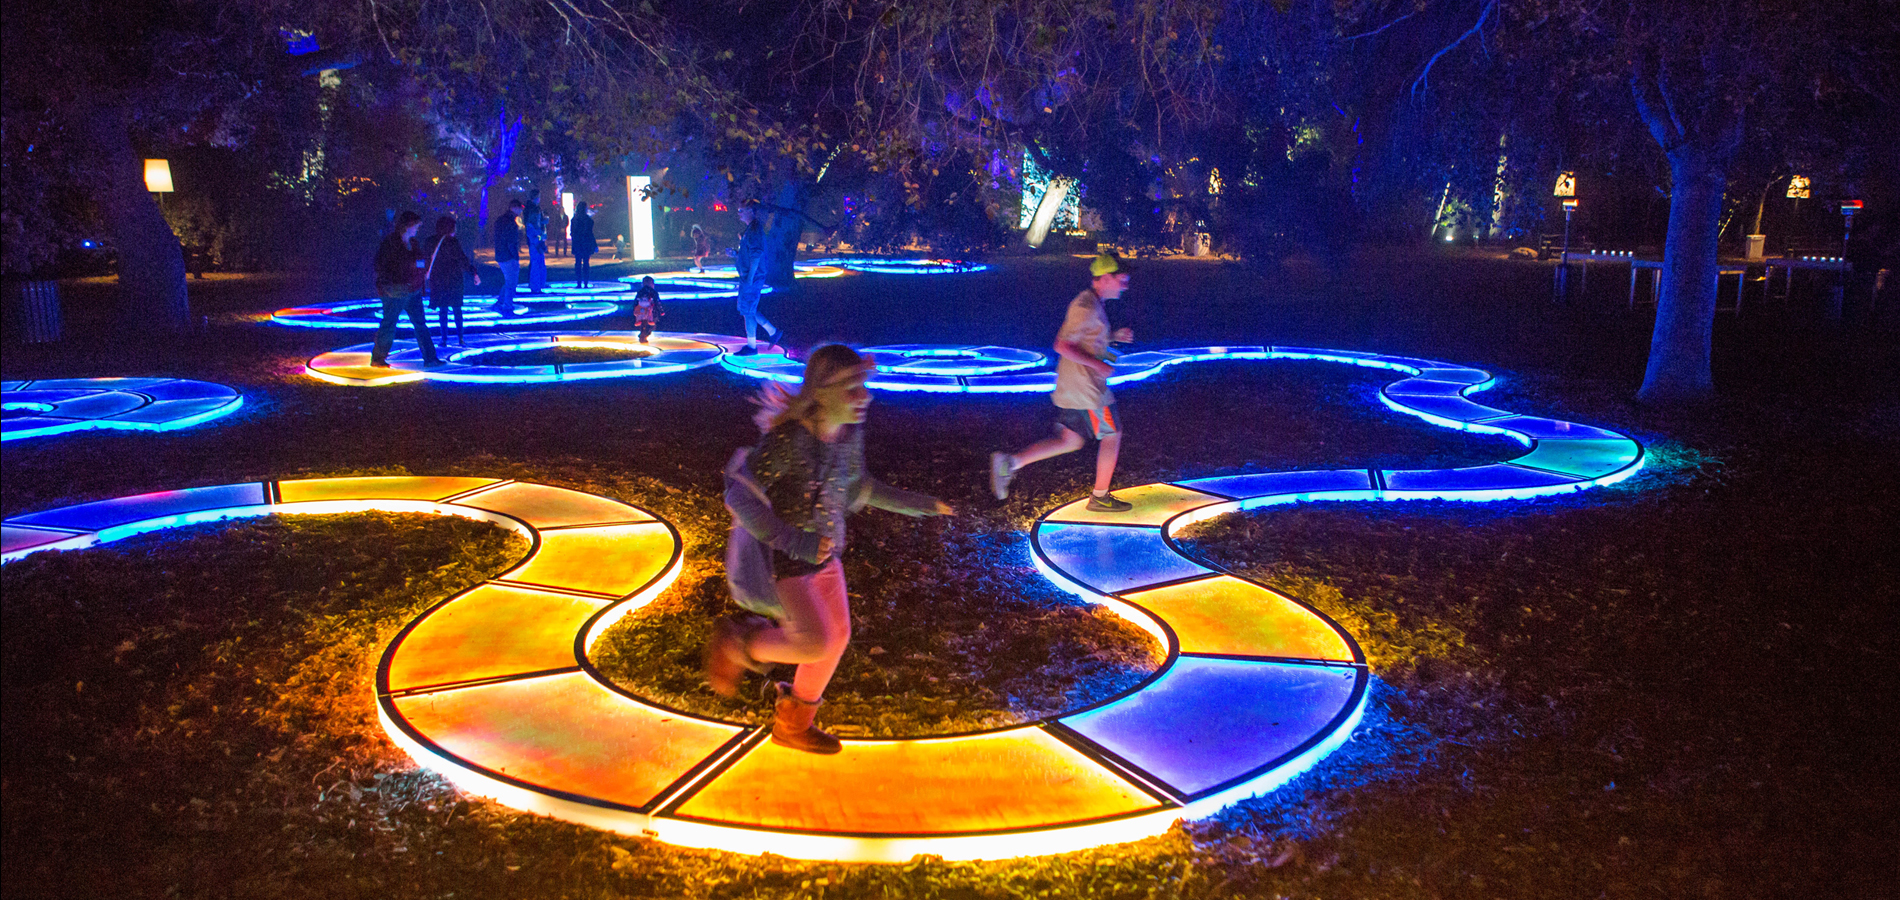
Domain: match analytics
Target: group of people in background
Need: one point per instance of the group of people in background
(407, 266)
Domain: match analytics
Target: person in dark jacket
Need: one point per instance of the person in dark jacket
(581, 233)
(447, 264)
(399, 280)
(508, 256)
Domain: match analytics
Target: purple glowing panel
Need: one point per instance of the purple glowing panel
(120, 511)
(14, 538)
(898, 381)
(1553, 429)
(1211, 722)
(1455, 408)
(1498, 477)
(1266, 484)
(1113, 558)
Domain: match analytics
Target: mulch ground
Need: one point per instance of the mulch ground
(1673, 687)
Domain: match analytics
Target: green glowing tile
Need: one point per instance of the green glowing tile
(1154, 504)
(544, 506)
(566, 733)
(1018, 778)
(1584, 459)
(490, 632)
(614, 560)
(380, 487)
(1229, 616)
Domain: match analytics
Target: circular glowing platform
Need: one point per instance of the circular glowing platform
(494, 689)
(51, 406)
(568, 306)
(665, 353)
(903, 266)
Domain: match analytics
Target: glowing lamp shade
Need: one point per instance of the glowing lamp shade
(158, 176)
(567, 204)
(640, 216)
(1566, 185)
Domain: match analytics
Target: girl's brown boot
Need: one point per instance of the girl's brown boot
(793, 726)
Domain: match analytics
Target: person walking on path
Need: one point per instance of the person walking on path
(399, 280)
(581, 233)
(1085, 408)
(534, 220)
(789, 497)
(447, 264)
(750, 256)
(646, 308)
(702, 248)
(508, 256)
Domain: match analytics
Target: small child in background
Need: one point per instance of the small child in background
(702, 248)
(646, 308)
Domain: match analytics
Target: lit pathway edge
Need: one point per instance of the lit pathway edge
(50, 406)
(493, 687)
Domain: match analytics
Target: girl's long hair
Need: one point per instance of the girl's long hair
(829, 367)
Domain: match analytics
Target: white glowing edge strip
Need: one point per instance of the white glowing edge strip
(476, 319)
(237, 400)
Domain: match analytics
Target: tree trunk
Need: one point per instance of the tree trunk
(151, 262)
(1685, 304)
(783, 232)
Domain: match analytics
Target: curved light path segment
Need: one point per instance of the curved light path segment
(51, 406)
(574, 305)
(902, 266)
(664, 354)
(494, 689)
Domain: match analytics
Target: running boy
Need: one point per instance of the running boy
(1085, 408)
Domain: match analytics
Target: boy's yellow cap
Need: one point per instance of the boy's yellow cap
(1108, 264)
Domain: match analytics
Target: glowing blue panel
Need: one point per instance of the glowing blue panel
(1460, 375)
(1426, 387)
(14, 538)
(1584, 459)
(1031, 382)
(1553, 429)
(1148, 358)
(103, 404)
(1457, 409)
(187, 390)
(1265, 484)
(11, 385)
(88, 385)
(1496, 477)
(1111, 558)
(1208, 722)
(903, 381)
(175, 410)
(1320, 353)
(119, 511)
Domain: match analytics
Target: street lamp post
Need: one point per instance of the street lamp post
(1566, 189)
(1848, 209)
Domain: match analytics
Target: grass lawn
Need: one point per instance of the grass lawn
(1674, 687)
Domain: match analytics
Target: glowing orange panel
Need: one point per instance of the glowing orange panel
(546, 507)
(615, 560)
(1009, 779)
(492, 631)
(380, 487)
(1154, 504)
(1230, 616)
(568, 733)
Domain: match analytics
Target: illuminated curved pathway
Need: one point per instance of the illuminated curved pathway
(50, 406)
(665, 353)
(493, 687)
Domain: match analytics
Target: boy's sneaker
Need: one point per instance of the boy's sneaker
(1000, 475)
(1108, 503)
